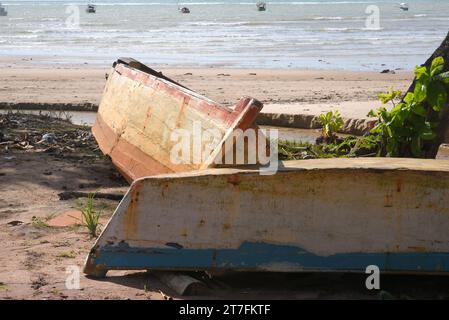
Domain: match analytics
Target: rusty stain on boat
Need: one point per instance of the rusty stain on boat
(310, 223)
(139, 110)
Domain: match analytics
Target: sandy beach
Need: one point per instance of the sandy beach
(283, 91)
(43, 248)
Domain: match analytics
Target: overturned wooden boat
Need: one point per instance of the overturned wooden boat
(140, 111)
(313, 215)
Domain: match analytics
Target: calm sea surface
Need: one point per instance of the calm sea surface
(229, 33)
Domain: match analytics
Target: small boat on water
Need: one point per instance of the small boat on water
(3, 12)
(340, 215)
(91, 8)
(261, 6)
(403, 6)
(184, 10)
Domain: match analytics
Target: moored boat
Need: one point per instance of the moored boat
(184, 10)
(261, 6)
(3, 12)
(403, 6)
(91, 8)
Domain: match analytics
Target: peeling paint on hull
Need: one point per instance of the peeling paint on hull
(268, 257)
(140, 110)
(321, 215)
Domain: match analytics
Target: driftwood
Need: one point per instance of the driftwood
(441, 117)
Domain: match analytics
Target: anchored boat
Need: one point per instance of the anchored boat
(184, 10)
(91, 8)
(403, 6)
(261, 6)
(3, 12)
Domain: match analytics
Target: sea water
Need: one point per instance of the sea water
(227, 33)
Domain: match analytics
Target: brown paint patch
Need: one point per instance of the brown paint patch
(388, 199)
(398, 186)
(226, 226)
(131, 216)
(164, 190)
(418, 249)
(184, 104)
(234, 179)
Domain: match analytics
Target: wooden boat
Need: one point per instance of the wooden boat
(331, 215)
(139, 111)
(311, 215)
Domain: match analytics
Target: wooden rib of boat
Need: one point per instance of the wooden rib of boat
(141, 109)
(332, 215)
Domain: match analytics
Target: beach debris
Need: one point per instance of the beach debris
(48, 138)
(45, 133)
(39, 282)
(15, 223)
(164, 296)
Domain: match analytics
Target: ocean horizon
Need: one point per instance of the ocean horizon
(290, 34)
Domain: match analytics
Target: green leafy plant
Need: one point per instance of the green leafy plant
(90, 215)
(342, 147)
(331, 123)
(3, 287)
(408, 125)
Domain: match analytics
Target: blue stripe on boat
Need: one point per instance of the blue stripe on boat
(263, 256)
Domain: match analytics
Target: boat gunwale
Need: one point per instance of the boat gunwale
(121, 67)
(347, 164)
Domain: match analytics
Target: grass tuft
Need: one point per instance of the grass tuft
(90, 215)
